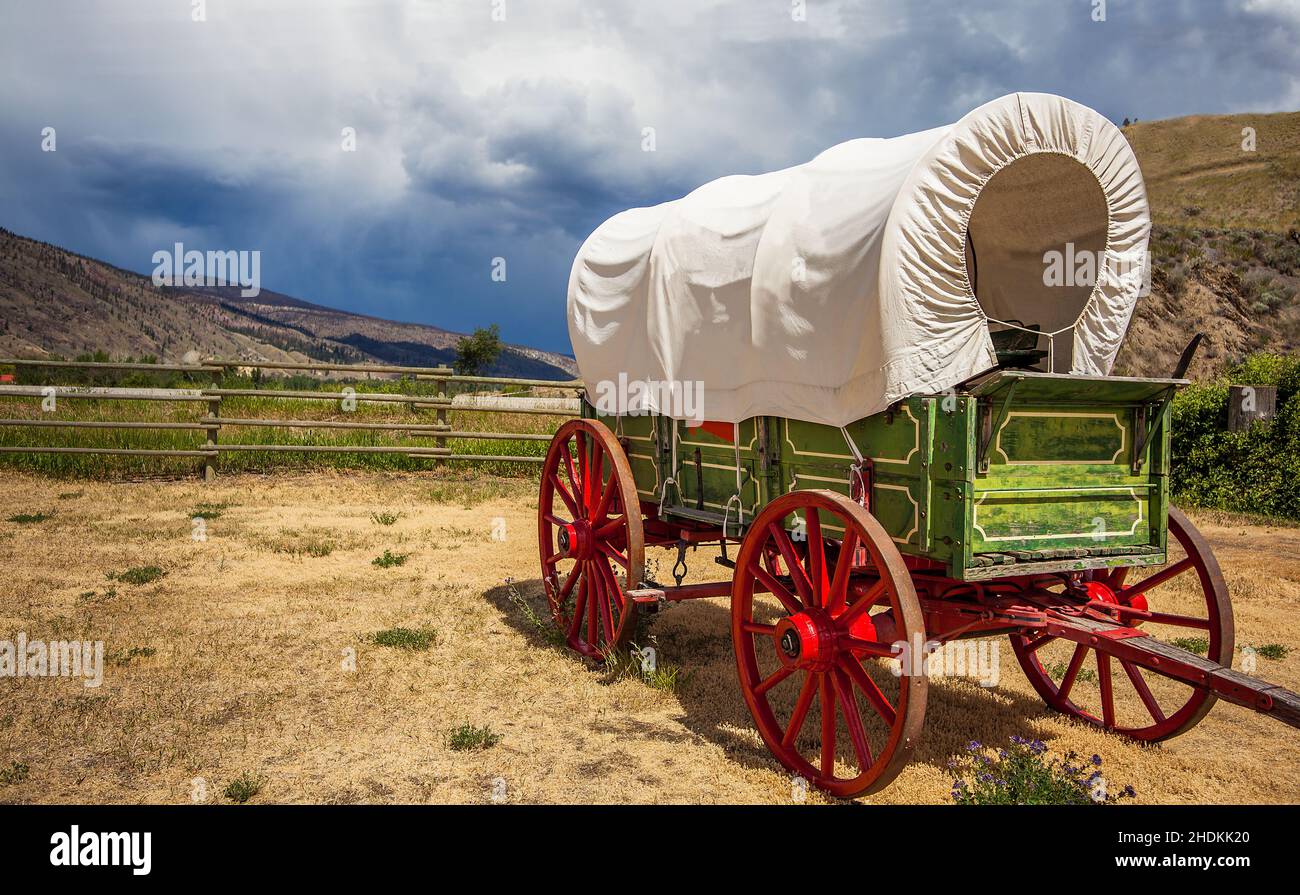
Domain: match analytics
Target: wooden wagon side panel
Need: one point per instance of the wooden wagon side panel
(899, 445)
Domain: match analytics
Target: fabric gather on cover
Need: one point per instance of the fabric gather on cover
(878, 270)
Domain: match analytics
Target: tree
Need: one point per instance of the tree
(476, 353)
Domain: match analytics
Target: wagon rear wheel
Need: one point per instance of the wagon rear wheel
(808, 653)
(590, 537)
(1191, 609)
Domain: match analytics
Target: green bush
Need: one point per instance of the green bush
(1256, 471)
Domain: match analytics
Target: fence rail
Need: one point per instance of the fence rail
(218, 439)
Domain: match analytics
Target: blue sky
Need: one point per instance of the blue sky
(479, 138)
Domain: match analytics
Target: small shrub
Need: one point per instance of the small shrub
(209, 511)
(1274, 651)
(30, 518)
(467, 738)
(405, 638)
(137, 575)
(390, 559)
(15, 773)
(70, 495)
(244, 787)
(135, 652)
(1057, 670)
(1192, 644)
(634, 664)
(385, 518)
(1023, 774)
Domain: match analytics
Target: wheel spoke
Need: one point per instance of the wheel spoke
(1107, 693)
(775, 678)
(606, 610)
(593, 604)
(801, 583)
(596, 481)
(1038, 643)
(614, 555)
(583, 489)
(568, 584)
(776, 588)
(839, 589)
(870, 647)
(852, 720)
(1144, 692)
(1076, 662)
(756, 628)
(556, 520)
(579, 608)
(574, 482)
(1155, 580)
(862, 604)
(879, 702)
(610, 528)
(817, 574)
(565, 495)
(828, 728)
(801, 706)
(611, 584)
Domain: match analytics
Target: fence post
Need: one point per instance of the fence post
(1248, 404)
(440, 441)
(210, 462)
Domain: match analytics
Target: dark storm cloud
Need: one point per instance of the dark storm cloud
(478, 139)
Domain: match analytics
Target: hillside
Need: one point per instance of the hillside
(53, 301)
(1199, 175)
(1226, 242)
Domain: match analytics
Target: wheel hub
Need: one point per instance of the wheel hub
(807, 640)
(575, 541)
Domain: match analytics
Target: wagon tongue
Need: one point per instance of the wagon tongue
(1136, 647)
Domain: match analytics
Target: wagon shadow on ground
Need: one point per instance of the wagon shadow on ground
(696, 638)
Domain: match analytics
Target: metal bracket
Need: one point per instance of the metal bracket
(862, 482)
(1144, 433)
(989, 426)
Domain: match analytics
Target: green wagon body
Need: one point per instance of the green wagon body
(1015, 472)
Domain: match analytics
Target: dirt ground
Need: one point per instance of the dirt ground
(253, 655)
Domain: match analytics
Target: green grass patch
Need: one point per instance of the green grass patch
(385, 518)
(16, 772)
(30, 518)
(643, 665)
(135, 652)
(137, 575)
(209, 511)
(1274, 651)
(389, 559)
(1057, 670)
(1192, 644)
(244, 787)
(468, 738)
(299, 544)
(405, 638)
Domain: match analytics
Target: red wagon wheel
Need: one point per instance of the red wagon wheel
(1126, 702)
(590, 536)
(806, 648)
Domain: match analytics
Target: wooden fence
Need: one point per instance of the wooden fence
(210, 424)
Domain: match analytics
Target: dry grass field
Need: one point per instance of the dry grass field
(235, 663)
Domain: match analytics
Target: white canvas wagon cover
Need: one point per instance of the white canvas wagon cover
(827, 291)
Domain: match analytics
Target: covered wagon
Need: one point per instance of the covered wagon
(884, 375)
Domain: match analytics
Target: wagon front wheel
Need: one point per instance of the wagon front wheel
(590, 537)
(812, 639)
